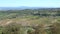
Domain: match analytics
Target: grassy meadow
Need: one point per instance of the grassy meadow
(37, 21)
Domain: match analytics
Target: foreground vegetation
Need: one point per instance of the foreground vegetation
(37, 21)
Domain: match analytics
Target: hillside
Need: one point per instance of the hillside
(28, 21)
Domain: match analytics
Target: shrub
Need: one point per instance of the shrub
(12, 28)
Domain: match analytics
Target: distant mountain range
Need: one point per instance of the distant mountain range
(25, 7)
(17, 8)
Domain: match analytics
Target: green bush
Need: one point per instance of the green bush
(12, 29)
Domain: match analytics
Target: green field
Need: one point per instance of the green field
(30, 21)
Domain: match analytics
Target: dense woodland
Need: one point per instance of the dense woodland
(30, 21)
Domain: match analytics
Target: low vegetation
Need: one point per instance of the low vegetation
(36, 21)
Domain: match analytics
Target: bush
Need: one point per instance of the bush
(55, 28)
(12, 28)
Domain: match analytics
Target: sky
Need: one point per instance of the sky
(30, 3)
